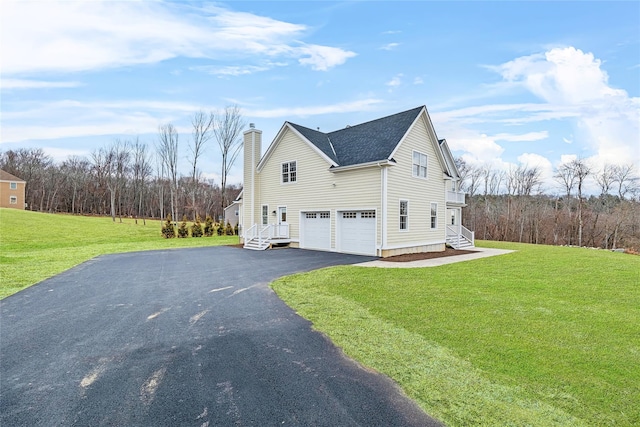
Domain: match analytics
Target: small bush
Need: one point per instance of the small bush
(168, 232)
(196, 229)
(183, 230)
(235, 229)
(208, 226)
(228, 229)
(220, 229)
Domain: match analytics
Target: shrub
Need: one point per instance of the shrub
(228, 229)
(196, 229)
(168, 232)
(220, 229)
(235, 229)
(208, 226)
(183, 230)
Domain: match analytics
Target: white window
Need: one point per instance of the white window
(265, 214)
(419, 164)
(13, 185)
(325, 215)
(404, 215)
(368, 214)
(434, 215)
(13, 200)
(310, 215)
(289, 172)
(349, 215)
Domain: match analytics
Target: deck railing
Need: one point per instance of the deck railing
(455, 196)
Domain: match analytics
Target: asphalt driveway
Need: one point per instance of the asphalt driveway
(189, 337)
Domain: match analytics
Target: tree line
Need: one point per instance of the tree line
(131, 179)
(514, 206)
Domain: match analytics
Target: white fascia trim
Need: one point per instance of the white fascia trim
(393, 153)
(362, 165)
(453, 169)
(271, 148)
(412, 244)
(276, 140)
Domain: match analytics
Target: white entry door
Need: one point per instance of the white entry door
(357, 232)
(315, 230)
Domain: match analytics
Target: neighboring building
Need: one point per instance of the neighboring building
(384, 187)
(12, 190)
(232, 212)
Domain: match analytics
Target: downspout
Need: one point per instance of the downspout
(383, 201)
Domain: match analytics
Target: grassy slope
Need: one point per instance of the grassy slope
(34, 246)
(542, 336)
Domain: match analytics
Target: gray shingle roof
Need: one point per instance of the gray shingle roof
(367, 142)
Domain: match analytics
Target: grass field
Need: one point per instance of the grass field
(542, 336)
(34, 246)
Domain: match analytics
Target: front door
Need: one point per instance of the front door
(282, 215)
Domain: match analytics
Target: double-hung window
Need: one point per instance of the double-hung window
(13, 200)
(404, 215)
(13, 186)
(289, 172)
(434, 215)
(265, 214)
(419, 165)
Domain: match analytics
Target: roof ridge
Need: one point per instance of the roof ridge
(378, 119)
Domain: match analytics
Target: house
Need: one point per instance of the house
(385, 187)
(12, 191)
(232, 212)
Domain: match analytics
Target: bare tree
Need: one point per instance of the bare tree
(228, 130)
(624, 176)
(168, 153)
(141, 171)
(202, 125)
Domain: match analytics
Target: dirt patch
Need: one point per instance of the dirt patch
(427, 255)
(238, 245)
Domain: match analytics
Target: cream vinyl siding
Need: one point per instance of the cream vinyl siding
(419, 192)
(314, 189)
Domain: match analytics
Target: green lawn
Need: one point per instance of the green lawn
(34, 246)
(542, 336)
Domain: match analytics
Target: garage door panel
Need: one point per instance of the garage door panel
(357, 232)
(316, 230)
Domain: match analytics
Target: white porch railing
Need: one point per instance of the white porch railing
(455, 196)
(255, 238)
(459, 236)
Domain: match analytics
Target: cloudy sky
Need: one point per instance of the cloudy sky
(506, 83)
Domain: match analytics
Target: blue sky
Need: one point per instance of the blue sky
(506, 83)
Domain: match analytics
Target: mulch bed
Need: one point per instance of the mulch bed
(426, 255)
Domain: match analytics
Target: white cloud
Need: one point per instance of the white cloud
(237, 70)
(321, 58)
(61, 154)
(418, 81)
(525, 137)
(68, 36)
(573, 83)
(389, 46)
(394, 82)
(35, 84)
(342, 107)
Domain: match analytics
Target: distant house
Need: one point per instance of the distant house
(12, 191)
(232, 212)
(385, 187)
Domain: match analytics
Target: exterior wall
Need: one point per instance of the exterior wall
(230, 215)
(316, 188)
(437, 247)
(250, 193)
(6, 192)
(419, 192)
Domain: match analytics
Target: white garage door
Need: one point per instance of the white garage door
(316, 230)
(357, 232)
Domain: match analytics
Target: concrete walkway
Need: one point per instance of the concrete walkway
(435, 262)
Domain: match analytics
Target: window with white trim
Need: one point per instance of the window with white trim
(368, 214)
(419, 164)
(13, 200)
(349, 215)
(325, 215)
(13, 185)
(434, 215)
(289, 172)
(404, 215)
(265, 214)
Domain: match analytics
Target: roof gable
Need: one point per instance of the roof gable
(364, 143)
(6, 176)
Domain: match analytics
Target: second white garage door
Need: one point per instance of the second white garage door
(316, 230)
(357, 232)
